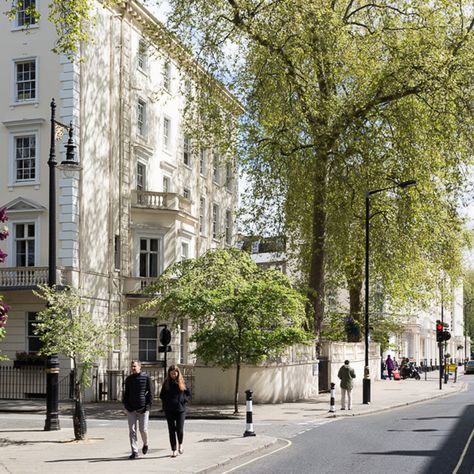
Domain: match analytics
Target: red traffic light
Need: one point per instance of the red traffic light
(439, 327)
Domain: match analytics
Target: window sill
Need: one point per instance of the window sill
(34, 26)
(34, 102)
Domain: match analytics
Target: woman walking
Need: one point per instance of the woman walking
(174, 396)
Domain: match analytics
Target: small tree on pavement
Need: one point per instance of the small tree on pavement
(66, 327)
(241, 314)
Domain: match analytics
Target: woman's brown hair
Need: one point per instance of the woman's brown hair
(179, 379)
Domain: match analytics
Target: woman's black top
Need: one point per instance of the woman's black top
(173, 398)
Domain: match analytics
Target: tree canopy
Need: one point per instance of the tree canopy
(469, 308)
(240, 313)
(341, 97)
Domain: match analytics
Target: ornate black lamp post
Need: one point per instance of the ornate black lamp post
(52, 363)
(366, 380)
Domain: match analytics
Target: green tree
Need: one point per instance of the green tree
(66, 327)
(469, 308)
(240, 313)
(343, 97)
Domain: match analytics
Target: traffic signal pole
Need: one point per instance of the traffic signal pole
(441, 365)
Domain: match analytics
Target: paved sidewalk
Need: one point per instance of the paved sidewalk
(106, 450)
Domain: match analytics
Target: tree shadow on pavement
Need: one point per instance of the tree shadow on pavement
(53, 461)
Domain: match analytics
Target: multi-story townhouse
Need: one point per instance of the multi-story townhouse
(145, 195)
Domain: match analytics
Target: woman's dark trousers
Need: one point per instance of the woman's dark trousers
(175, 421)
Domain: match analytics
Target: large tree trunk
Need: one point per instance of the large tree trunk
(355, 282)
(318, 241)
(236, 392)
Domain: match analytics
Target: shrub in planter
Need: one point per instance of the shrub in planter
(27, 359)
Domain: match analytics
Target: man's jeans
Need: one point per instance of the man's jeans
(345, 391)
(142, 420)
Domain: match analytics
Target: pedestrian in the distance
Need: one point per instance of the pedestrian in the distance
(175, 395)
(390, 366)
(346, 374)
(137, 400)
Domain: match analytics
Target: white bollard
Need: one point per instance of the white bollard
(249, 431)
(332, 403)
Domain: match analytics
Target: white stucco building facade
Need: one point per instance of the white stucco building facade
(145, 196)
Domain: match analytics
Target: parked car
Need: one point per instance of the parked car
(469, 369)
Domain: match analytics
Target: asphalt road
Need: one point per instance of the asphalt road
(430, 438)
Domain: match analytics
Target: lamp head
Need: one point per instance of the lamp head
(70, 161)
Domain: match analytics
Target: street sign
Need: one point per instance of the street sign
(165, 336)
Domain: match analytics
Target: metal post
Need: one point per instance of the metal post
(366, 380)
(332, 401)
(52, 363)
(440, 345)
(249, 429)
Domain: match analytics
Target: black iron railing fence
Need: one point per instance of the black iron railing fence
(107, 385)
(29, 382)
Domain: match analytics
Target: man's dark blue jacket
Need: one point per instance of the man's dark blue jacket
(138, 393)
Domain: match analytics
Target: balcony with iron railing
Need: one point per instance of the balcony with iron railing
(160, 201)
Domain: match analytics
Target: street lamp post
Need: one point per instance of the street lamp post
(52, 362)
(366, 379)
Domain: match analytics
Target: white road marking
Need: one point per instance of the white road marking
(463, 454)
(261, 457)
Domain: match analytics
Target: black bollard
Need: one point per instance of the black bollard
(249, 430)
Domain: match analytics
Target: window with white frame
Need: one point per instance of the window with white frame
(202, 162)
(141, 117)
(149, 257)
(166, 133)
(33, 342)
(141, 176)
(25, 161)
(202, 215)
(166, 184)
(24, 235)
(215, 221)
(184, 251)
(187, 193)
(228, 227)
(187, 151)
(167, 76)
(25, 80)
(25, 13)
(147, 339)
(142, 56)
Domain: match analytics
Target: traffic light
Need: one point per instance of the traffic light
(442, 334)
(439, 331)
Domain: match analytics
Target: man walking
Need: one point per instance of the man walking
(346, 374)
(137, 400)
